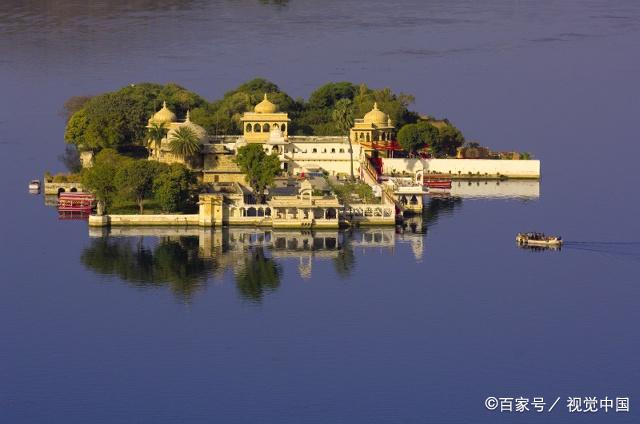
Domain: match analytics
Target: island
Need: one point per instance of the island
(153, 154)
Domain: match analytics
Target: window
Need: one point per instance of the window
(266, 128)
(256, 127)
(324, 150)
(333, 150)
(314, 151)
(341, 150)
(283, 127)
(248, 128)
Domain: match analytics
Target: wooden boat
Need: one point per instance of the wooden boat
(76, 202)
(441, 183)
(34, 185)
(538, 239)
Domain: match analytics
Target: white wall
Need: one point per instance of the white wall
(509, 168)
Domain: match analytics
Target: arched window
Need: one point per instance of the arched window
(324, 150)
(283, 127)
(333, 150)
(341, 150)
(256, 127)
(368, 138)
(275, 149)
(251, 211)
(361, 136)
(248, 128)
(267, 212)
(266, 128)
(314, 150)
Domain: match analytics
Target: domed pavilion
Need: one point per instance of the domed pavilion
(257, 125)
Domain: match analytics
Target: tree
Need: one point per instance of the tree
(259, 168)
(118, 119)
(100, 178)
(156, 133)
(343, 117)
(448, 139)
(184, 142)
(134, 180)
(413, 137)
(174, 187)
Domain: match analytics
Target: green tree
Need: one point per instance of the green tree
(155, 134)
(174, 188)
(100, 178)
(410, 138)
(259, 168)
(134, 180)
(184, 142)
(343, 117)
(448, 139)
(118, 119)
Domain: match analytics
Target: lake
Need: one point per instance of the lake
(393, 325)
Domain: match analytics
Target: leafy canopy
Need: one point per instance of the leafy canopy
(259, 168)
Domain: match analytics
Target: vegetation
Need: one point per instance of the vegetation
(350, 191)
(119, 118)
(441, 141)
(184, 143)
(100, 178)
(343, 117)
(155, 134)
(173, 189)
(259, 168)
(134, 180)
(117, 180)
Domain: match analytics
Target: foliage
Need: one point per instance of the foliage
(223, 116)
(259, 274)
(342, 116)
(64, 178)
(448, 139)
(347, 191)
(259, 168)
(134, 180)
(100, 178)
(74, 104)
(155, 133)
(118, 118)
(174, 188)
(184, 142)
(413, 137)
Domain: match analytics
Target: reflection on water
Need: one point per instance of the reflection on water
(186, 258)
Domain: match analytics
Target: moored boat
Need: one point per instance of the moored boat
(34, 185)
(538, 239)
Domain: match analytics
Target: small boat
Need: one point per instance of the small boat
(538, 239)
(34, 185)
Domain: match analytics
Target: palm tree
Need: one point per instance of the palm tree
(156, 133)
(343, 117)
(184, 142)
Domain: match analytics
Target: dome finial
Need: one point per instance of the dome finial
(164, 104)
(375, 105)
(265, 96)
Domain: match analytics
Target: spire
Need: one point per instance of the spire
(164, 104)
(265, 96)
(188, 116)
(375, 105)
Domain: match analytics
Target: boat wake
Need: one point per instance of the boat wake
(629, 250)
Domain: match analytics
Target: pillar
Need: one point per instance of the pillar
(210, 210)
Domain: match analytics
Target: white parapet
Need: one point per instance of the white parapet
(465, 167)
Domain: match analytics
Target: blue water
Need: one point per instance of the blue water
(401, 338)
